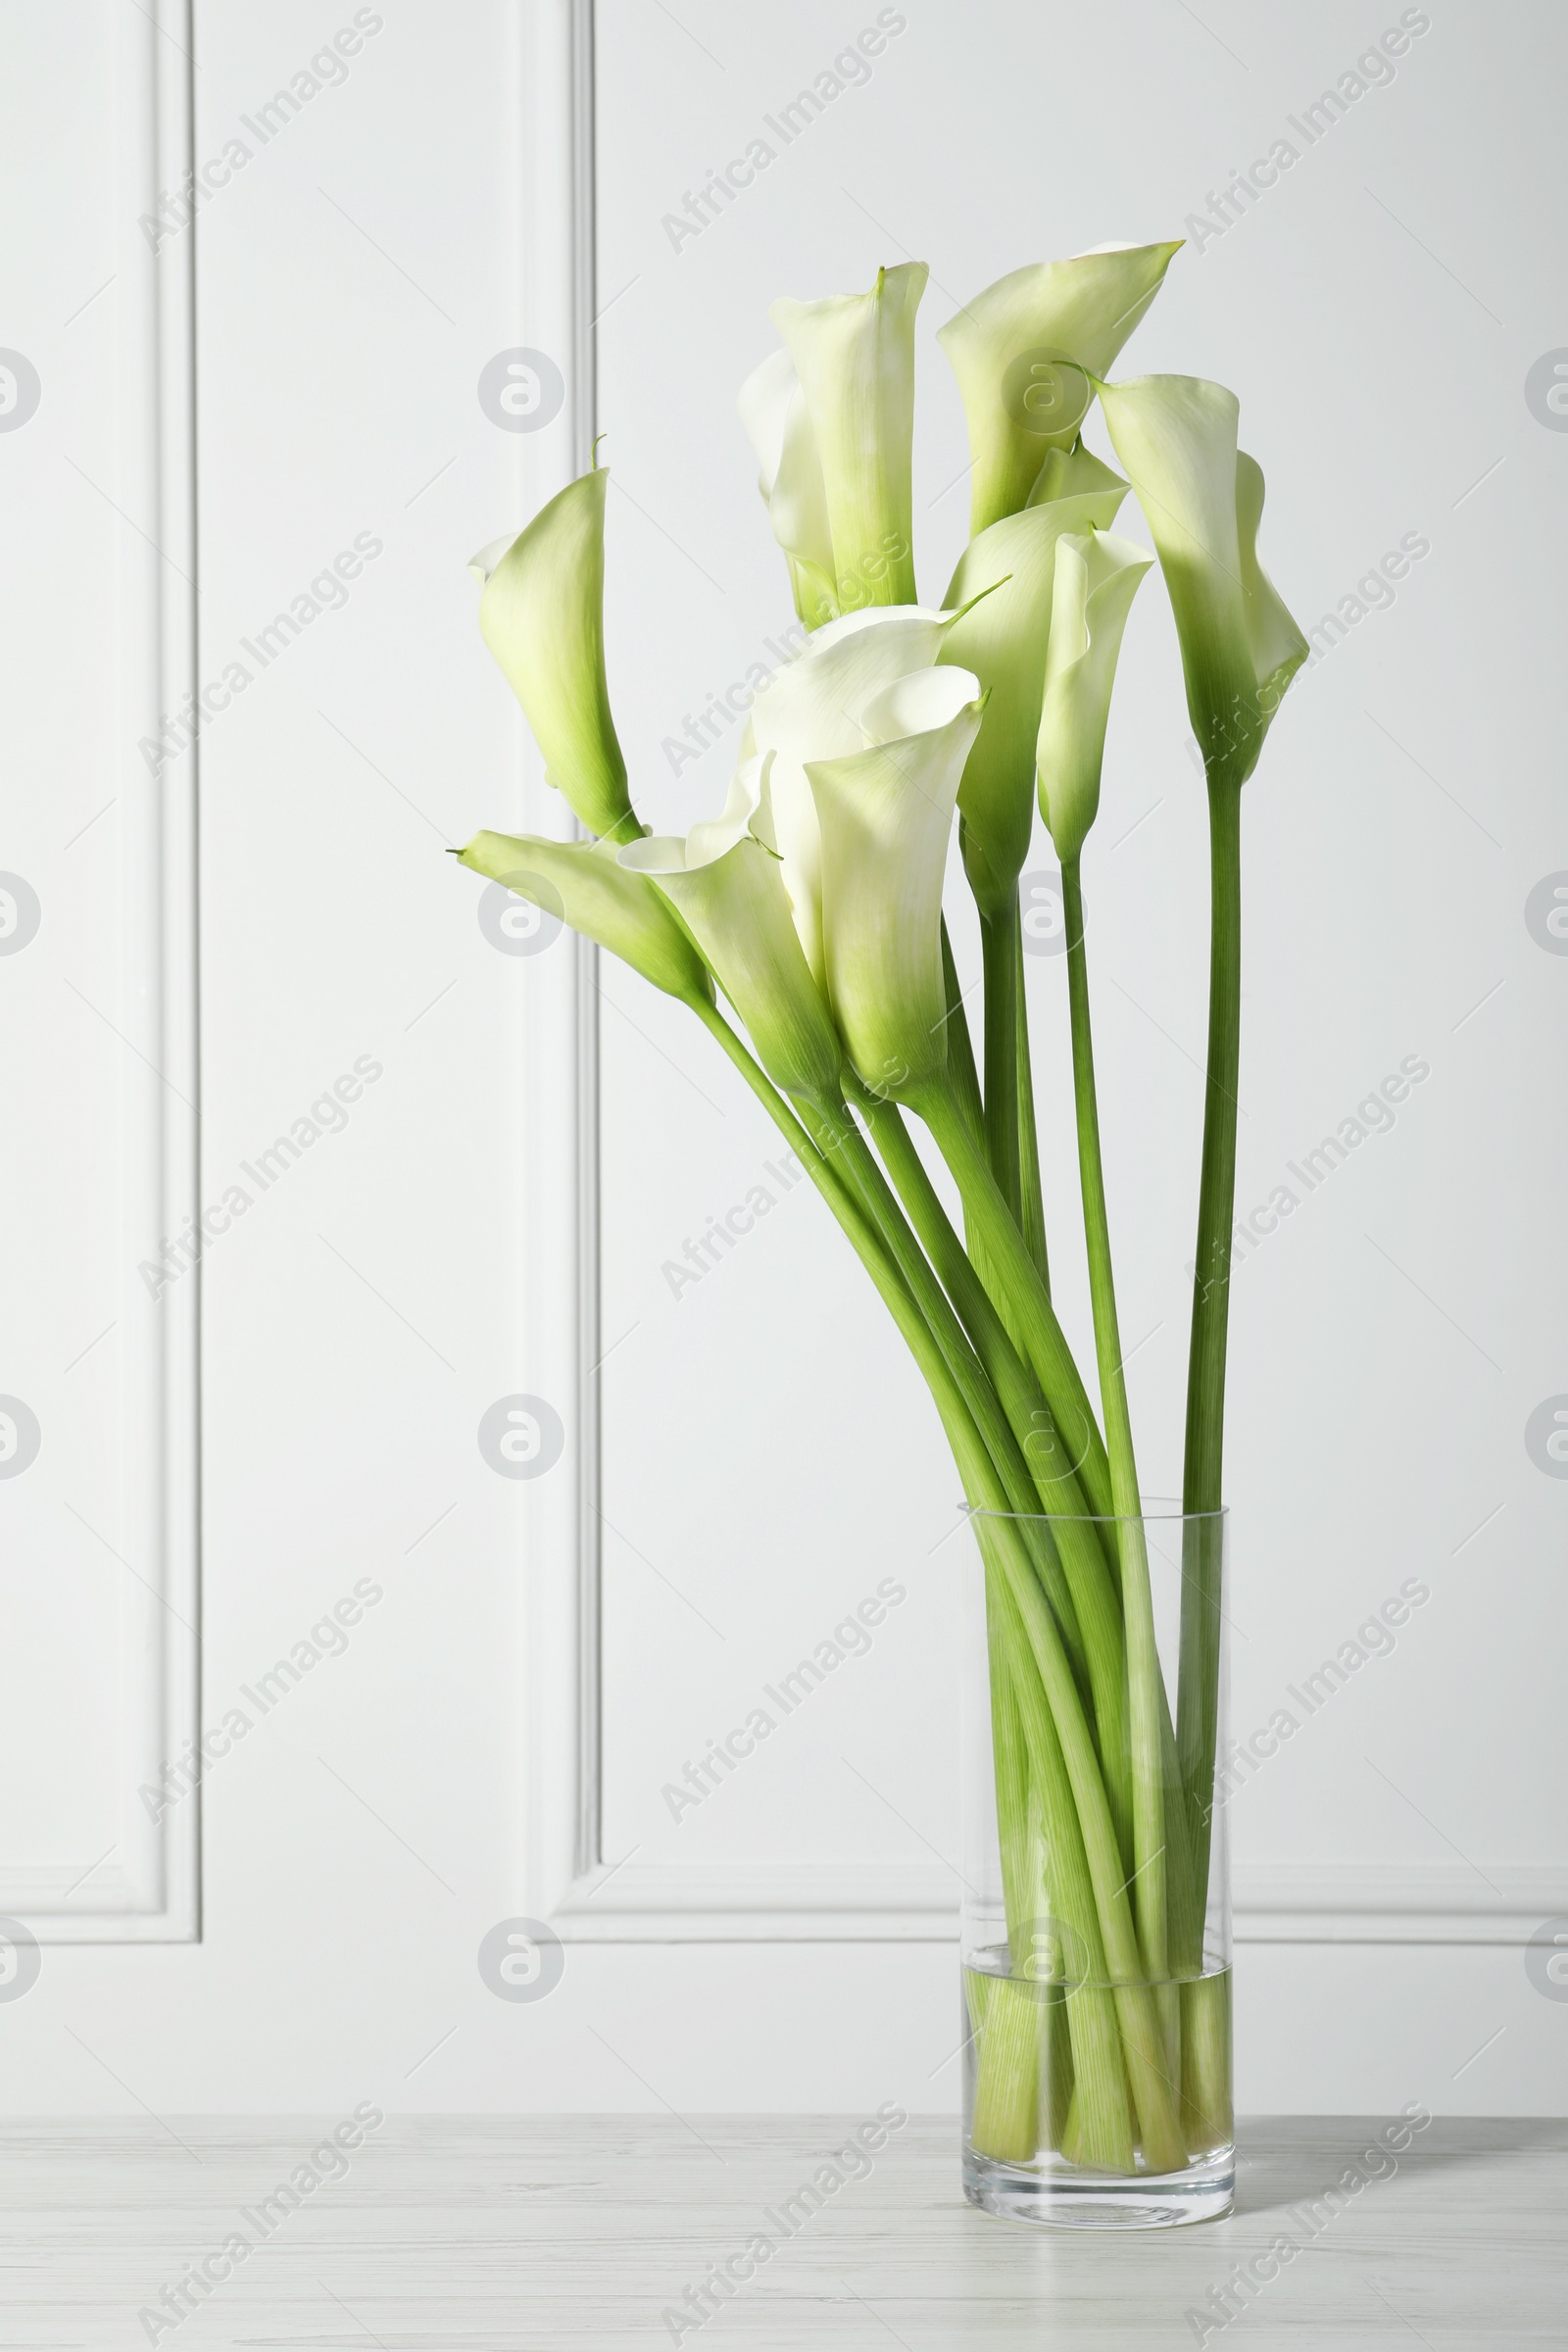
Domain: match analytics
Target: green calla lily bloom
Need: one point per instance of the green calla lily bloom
(1003, 639)
(1203, 499)
(1096, 579)
(776, 418)
(728, 890)
(580, 882)
(542, 615)
(886, 814)
(1012, 348)
(855, 357)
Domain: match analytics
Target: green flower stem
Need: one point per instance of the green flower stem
(1034, 1204)
(835, 1132)
(1058, 2088)
(1007, 2017)
(838, 1194)
(1206, 2073)
(1099, 2065)
(960, 1046)
(983, 1481)
(1120, 1960)
(1009, 1271)
(1114, 2035)
(826, 1124)
(1057, 1491)
(1008, 2033)
(1202, 1482)
(1145, 1683)
(1057, 1712)
(1112, 2031)
(1049, 1464)
(965, 1084)
(1185, 1911)
(1023, 1864)
(1207, 2118)
(998, 959)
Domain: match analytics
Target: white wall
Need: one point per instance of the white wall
(767, 1456)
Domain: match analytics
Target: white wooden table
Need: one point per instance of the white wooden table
(487, 2234)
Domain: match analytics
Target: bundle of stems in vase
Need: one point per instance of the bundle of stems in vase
(803, 927)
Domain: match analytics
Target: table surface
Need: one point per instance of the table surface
(493, 2234)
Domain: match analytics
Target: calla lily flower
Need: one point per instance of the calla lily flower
(581, 882)
(776, 418)
(886, 814)
(1203, 499)
(814, 710)
(1070, 472)
(1002, 638)
(728, 890)
(1011, 350)
(1096, 579)
(542, 615)
(855, 357)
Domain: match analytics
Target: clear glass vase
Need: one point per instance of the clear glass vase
(1095, 1925)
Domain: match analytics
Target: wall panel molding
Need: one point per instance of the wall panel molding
(1401, 1902)
(590, 1897)
(146, 1890)
(918, 1903)
(560, 1074)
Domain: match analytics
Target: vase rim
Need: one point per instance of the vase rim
(1156, 1507)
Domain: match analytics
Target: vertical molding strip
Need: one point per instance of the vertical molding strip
(585, 407)
(560, 1338)
(147, 1890)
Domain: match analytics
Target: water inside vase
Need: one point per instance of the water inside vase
(1114, 2081)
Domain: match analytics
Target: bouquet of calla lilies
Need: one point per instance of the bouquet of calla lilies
(803, 927)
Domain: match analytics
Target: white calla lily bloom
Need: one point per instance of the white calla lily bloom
(1097, 578)
(728, 890)
(1025, 351)
(1001, 636)
(886, 816)
(854, 356)
(1073, 473)
(581, 883)
(1202, 500)
(541, 617)
(778, 424)
(814, 710)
